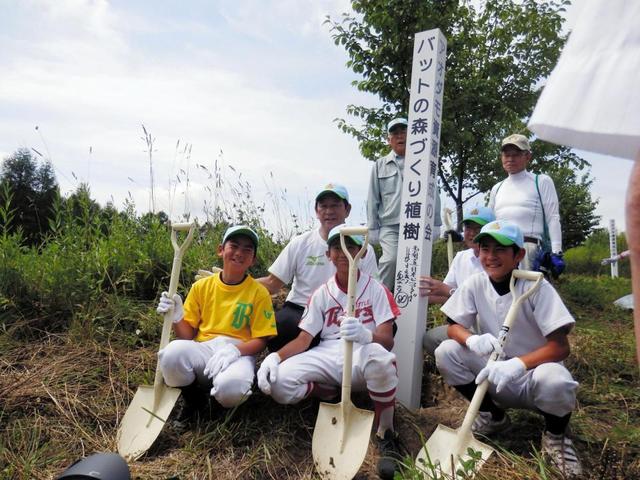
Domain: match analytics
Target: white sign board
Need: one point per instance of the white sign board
(419, 192)
(613, 247)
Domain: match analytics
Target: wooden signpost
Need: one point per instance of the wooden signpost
(419, 192)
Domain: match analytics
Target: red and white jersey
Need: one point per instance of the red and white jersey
(374, 306)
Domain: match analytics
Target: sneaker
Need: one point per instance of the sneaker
(191, 406)
(484, 424)
(389, 452)
(559, 448)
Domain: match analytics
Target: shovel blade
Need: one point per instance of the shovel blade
(333, 458)
(445, 451)
(141, 424)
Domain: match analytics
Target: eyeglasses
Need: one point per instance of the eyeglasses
(398, 132)
(510, 153)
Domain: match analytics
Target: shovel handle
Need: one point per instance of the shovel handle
(448, 224)
(178, 253)
(351, 301)
(480, 392)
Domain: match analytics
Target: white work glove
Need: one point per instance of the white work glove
(206, 273)
(374, 236)
(502, 372)
(222, 357)
(267, 373)
(484, 344)
(174, 306)
(352, 330)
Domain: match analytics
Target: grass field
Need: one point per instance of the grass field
(63, 394)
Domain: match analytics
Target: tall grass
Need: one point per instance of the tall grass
(96, 258)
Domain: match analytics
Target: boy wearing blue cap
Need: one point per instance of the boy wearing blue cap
(464, 264)
(531, 374)
(294, 373)
(226, 320)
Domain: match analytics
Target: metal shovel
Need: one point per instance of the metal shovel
(342, 431)
(447, 449)
(151, 406)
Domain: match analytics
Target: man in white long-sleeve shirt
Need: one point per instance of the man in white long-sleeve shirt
(519, 200)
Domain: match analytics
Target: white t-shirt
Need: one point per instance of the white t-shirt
(464, 264)
(374, 306)
(304, 261)
(541, 314)
(516, 199)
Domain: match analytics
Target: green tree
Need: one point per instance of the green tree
(498, 53)
(577, 209)
(33, 190)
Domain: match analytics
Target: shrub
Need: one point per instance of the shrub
(587, 258)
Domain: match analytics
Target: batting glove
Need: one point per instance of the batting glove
(484, 344)
(221, 359)
(267, 372)
(557, 264)
(502, 372)
(352, 330)
(166, 305)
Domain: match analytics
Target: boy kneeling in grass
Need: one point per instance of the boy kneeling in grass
(226, 320)
(531, 374)
(294, 373)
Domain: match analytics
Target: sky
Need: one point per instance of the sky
(246, 88)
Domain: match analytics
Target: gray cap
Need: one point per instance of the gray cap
(517, 140)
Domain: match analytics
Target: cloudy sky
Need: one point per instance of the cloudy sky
(249, 87)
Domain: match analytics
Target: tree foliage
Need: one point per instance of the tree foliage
(498, 53)
(29, 192)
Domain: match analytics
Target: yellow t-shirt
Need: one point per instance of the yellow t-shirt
(241, 311)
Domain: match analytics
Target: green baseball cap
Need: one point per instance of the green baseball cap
(503, 232)
(241, 230)
(335, 233)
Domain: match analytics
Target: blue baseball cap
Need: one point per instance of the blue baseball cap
(334, 188)
(479, 215)
(396, 122)
(241, 230)
(503, 232)
(335, 232)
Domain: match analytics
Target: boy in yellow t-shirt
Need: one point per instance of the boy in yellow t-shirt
(226, 320)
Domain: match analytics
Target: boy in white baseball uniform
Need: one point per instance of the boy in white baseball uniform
(304, 263)
(531, 374)
(464, 264)
(294, 373)
(226, 320)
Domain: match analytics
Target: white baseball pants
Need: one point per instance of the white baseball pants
(374, 369)
(183, 361)
(548, 387)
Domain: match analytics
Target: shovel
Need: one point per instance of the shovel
(342, 431)
(447, 449)
(448, 224)
(151, 406)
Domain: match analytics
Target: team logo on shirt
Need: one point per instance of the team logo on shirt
(315, 260)
(241, 315)
(365, 314)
